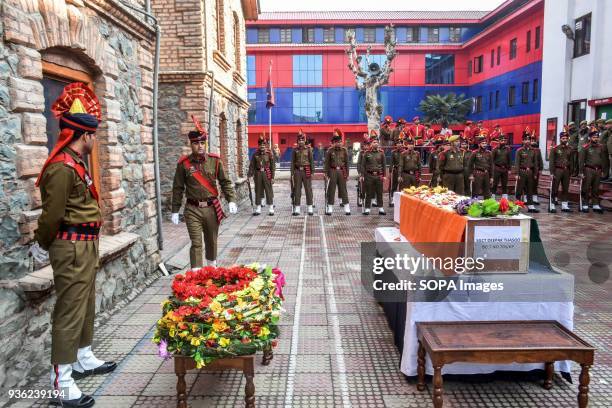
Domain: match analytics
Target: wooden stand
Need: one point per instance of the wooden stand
(244, 363)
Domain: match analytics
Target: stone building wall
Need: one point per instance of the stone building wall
(115, 48)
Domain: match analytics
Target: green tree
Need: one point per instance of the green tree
(449, 108)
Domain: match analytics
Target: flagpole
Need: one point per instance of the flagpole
(270, 108)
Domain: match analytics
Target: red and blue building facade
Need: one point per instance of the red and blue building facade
(494, 57)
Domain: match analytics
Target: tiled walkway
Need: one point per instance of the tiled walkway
(336, 348)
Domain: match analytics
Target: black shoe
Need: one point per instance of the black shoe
(552, 211)
(533, 210)
(328, 213)
(391, 205)
(536, 203)
(382, 213)
(294, 213)
(598, 210)
(85, 401)
(256, 213)
(105, 368)
(584, 210)
(566, 210)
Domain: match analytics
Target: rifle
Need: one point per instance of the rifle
(250, 192)
(550, 193)
(359, 203)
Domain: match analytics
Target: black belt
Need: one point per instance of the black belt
(201, 204)
(375, 173)
(453, 172)
(80, 229)
(337, 168)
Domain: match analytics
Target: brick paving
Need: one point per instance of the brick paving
(342, 353)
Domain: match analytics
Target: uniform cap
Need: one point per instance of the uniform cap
(198, 135)
(584, 122)
(401, 120)
(609, 122)
(453, 138)
(388, 118)
(416, 118)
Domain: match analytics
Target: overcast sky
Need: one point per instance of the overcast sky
(336, 5)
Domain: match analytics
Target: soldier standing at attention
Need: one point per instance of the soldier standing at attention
(386, 131)
(561, 158)
(302, 166)
(501, 166)
(466, 153)
(196, 177)
(480, 168)
(395, 162)
(535, 145)
(409, 166)
(336, 170)
(373, 171)
(593, 164)
(262, 169)
(583, 135)
(525, 166)
(452, 167)
(69, 228)
(432, 161)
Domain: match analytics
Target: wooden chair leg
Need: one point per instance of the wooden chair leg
(550, 371)
(249, 389)
(421, 368)
(268, 354)
(181, 385)
(437, 384)
(583, 388)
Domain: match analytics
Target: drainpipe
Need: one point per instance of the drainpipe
(160, 236)
(210, 106)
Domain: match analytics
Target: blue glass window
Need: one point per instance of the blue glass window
(307, 107)
(379, 59)
(253, 108)
(307, 70)
(251, 78)
(440, 68)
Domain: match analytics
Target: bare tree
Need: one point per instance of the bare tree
(375, 77)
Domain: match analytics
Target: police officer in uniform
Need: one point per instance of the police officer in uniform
(452, 167)
(373, 172)
(395, 162)
(593, 164)
(196, 177)
(409, 166)
(501, 166)
(262, 169)
(525, 166)
(432, 162)
(583, 135)
(302, 167)
(561, 161)
(481, 169)
(69, 228)
(336, 170)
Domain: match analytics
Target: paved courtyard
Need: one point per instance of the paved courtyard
(336, 348)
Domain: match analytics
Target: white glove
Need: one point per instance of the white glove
(175, 218)
(233, 209)
(39, 254)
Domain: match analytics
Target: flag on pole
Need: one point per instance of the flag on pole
(270, 90)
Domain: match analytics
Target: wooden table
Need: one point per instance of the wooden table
(501, 342)
(244, 363)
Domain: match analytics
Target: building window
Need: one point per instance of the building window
(537, 37)
(307, 70)
(251, 73)
(528, 44)
(369, 35)
(478, 62)
(582, 40)
(439, 68)
(536, 89)
(220, 26)
(576, 111)
(513, 48)
(455, 34)
(329, 35)
(253, 107)
(433, 35)
(285, 35)
(263, 35)
(469, 68)
(492, 58)
(496, 99)
(525, 92)
(237, 44)
(307, 107)
(498, 54)
(490, 100)
(478, 106)
(346, 31)
(512, 96)
(240, 149)
(412, 34)
(308, 35)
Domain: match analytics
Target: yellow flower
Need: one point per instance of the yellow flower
(171, 333)
(212, 336)
(257, 284)
(264, 331)
(195, 341)
(224, 342)
(219, 326)
(199, 364)
(216, 307)
(183, 334)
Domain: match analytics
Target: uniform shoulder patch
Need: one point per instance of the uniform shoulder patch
(586, 146)
(183, 158)
(215, 155)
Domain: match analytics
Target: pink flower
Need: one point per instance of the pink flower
(163, 350)
(279, 281)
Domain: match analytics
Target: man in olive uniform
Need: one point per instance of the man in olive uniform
(386, 131)
(502, 161)
(560, 165)
(196, 177)
(69, 228)
(525, 164)
(365, 145)
(480, 168)
(452, 167)
(395, 162)
(593, 164)
(262, 169)
(302, 167)
(432, 162)
(373, 172)
(399, 128)
(409, 166)
(535, 145)
(583, 135)
(466, 152)
(336, 170)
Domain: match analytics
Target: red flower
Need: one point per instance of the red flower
(504, 205)
(520, 203)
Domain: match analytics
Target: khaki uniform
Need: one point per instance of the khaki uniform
(262, 168)
(526, 164)
(410, 168)
(432, 163)
(67, 203)
(501, 166)
(594, 164)
(386, 134)
(561, 162)
(583, 137)
(481, 168)
(302, 167)
(336, 169)
(574, 139)
(361, 192)
(373, 170)
(201, 218)
(452, 168)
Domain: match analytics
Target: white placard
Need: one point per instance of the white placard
(497, 242)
